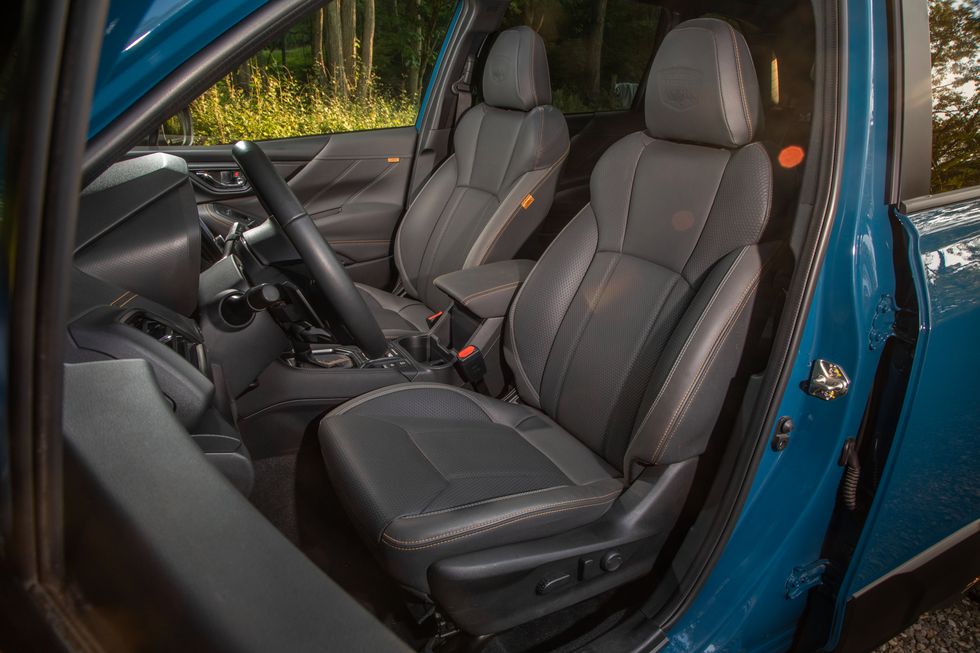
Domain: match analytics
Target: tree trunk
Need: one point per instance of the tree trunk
(414, 65)
(348, 11)
(319, 64)
(335, 50)
(595, 51)
(367, 49)
(243, 74)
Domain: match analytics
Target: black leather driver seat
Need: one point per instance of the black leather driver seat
(474, 209)
(627, 342)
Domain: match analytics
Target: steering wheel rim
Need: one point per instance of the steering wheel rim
(336, 285)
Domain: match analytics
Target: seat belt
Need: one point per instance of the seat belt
(463, 89)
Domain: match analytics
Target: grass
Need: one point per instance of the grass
(277, 105)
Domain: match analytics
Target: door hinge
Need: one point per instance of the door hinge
(805, 577)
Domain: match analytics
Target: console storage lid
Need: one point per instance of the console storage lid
(486, 290)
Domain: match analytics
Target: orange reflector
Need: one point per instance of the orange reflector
(527, 201)
(394, 159)
(791, 156)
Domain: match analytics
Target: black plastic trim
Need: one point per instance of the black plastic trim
(926, 202)
(890, 604)
(910, 101)
(189, 563)
(491, 590)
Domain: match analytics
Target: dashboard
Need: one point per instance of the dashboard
(138, 292)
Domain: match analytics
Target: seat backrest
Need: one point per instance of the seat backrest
(494, 190)
(631, 327)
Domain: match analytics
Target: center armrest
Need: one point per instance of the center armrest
(486, 290)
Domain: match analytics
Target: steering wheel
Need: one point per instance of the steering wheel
(288, 212)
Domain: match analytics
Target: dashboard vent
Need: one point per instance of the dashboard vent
(190, 350)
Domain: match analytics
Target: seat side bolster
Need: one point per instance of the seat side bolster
(505, 519)
(360, 404)
(395, 315)
(532, 172)
(703, 357)
(419, 221)
(543, 300)
(512, 223)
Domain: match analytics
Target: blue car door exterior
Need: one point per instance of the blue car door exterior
(926, 506)
(929, 493)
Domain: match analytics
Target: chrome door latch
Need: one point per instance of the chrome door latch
(828, 381)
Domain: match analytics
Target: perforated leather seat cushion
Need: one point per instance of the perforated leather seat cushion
(428, 470)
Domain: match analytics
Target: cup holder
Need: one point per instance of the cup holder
(425, 349)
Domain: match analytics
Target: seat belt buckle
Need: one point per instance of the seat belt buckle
(470, 364)
(432, 319)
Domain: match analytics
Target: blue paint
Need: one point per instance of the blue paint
(743, 604)
(930, 487)
(146, 41)
(438, 64)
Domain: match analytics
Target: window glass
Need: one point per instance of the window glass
(954, 27)
(598, 50)
(352, 65)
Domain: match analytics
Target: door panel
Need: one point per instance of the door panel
(930, 488)
(167, 553)
(918, 545)
(353, 185)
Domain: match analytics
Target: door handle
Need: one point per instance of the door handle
(223, 180)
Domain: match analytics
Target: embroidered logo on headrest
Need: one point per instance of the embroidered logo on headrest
(680, 88)
(499, 67)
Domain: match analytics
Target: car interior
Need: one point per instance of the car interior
(489, 375)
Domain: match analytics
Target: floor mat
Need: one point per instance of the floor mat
(294, 493)
(274, 493)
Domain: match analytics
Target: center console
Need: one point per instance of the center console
(316, 374)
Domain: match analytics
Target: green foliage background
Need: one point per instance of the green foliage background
(279, 105)
(278, 92)
(954, 26)
(281, 92)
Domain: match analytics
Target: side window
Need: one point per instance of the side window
(598, 50)
(954, 30)
(352, 65)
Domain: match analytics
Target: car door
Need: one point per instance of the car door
(919, 540)
(345, 147)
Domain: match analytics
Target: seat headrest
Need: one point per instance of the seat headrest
(702, 86)
(516, 72)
